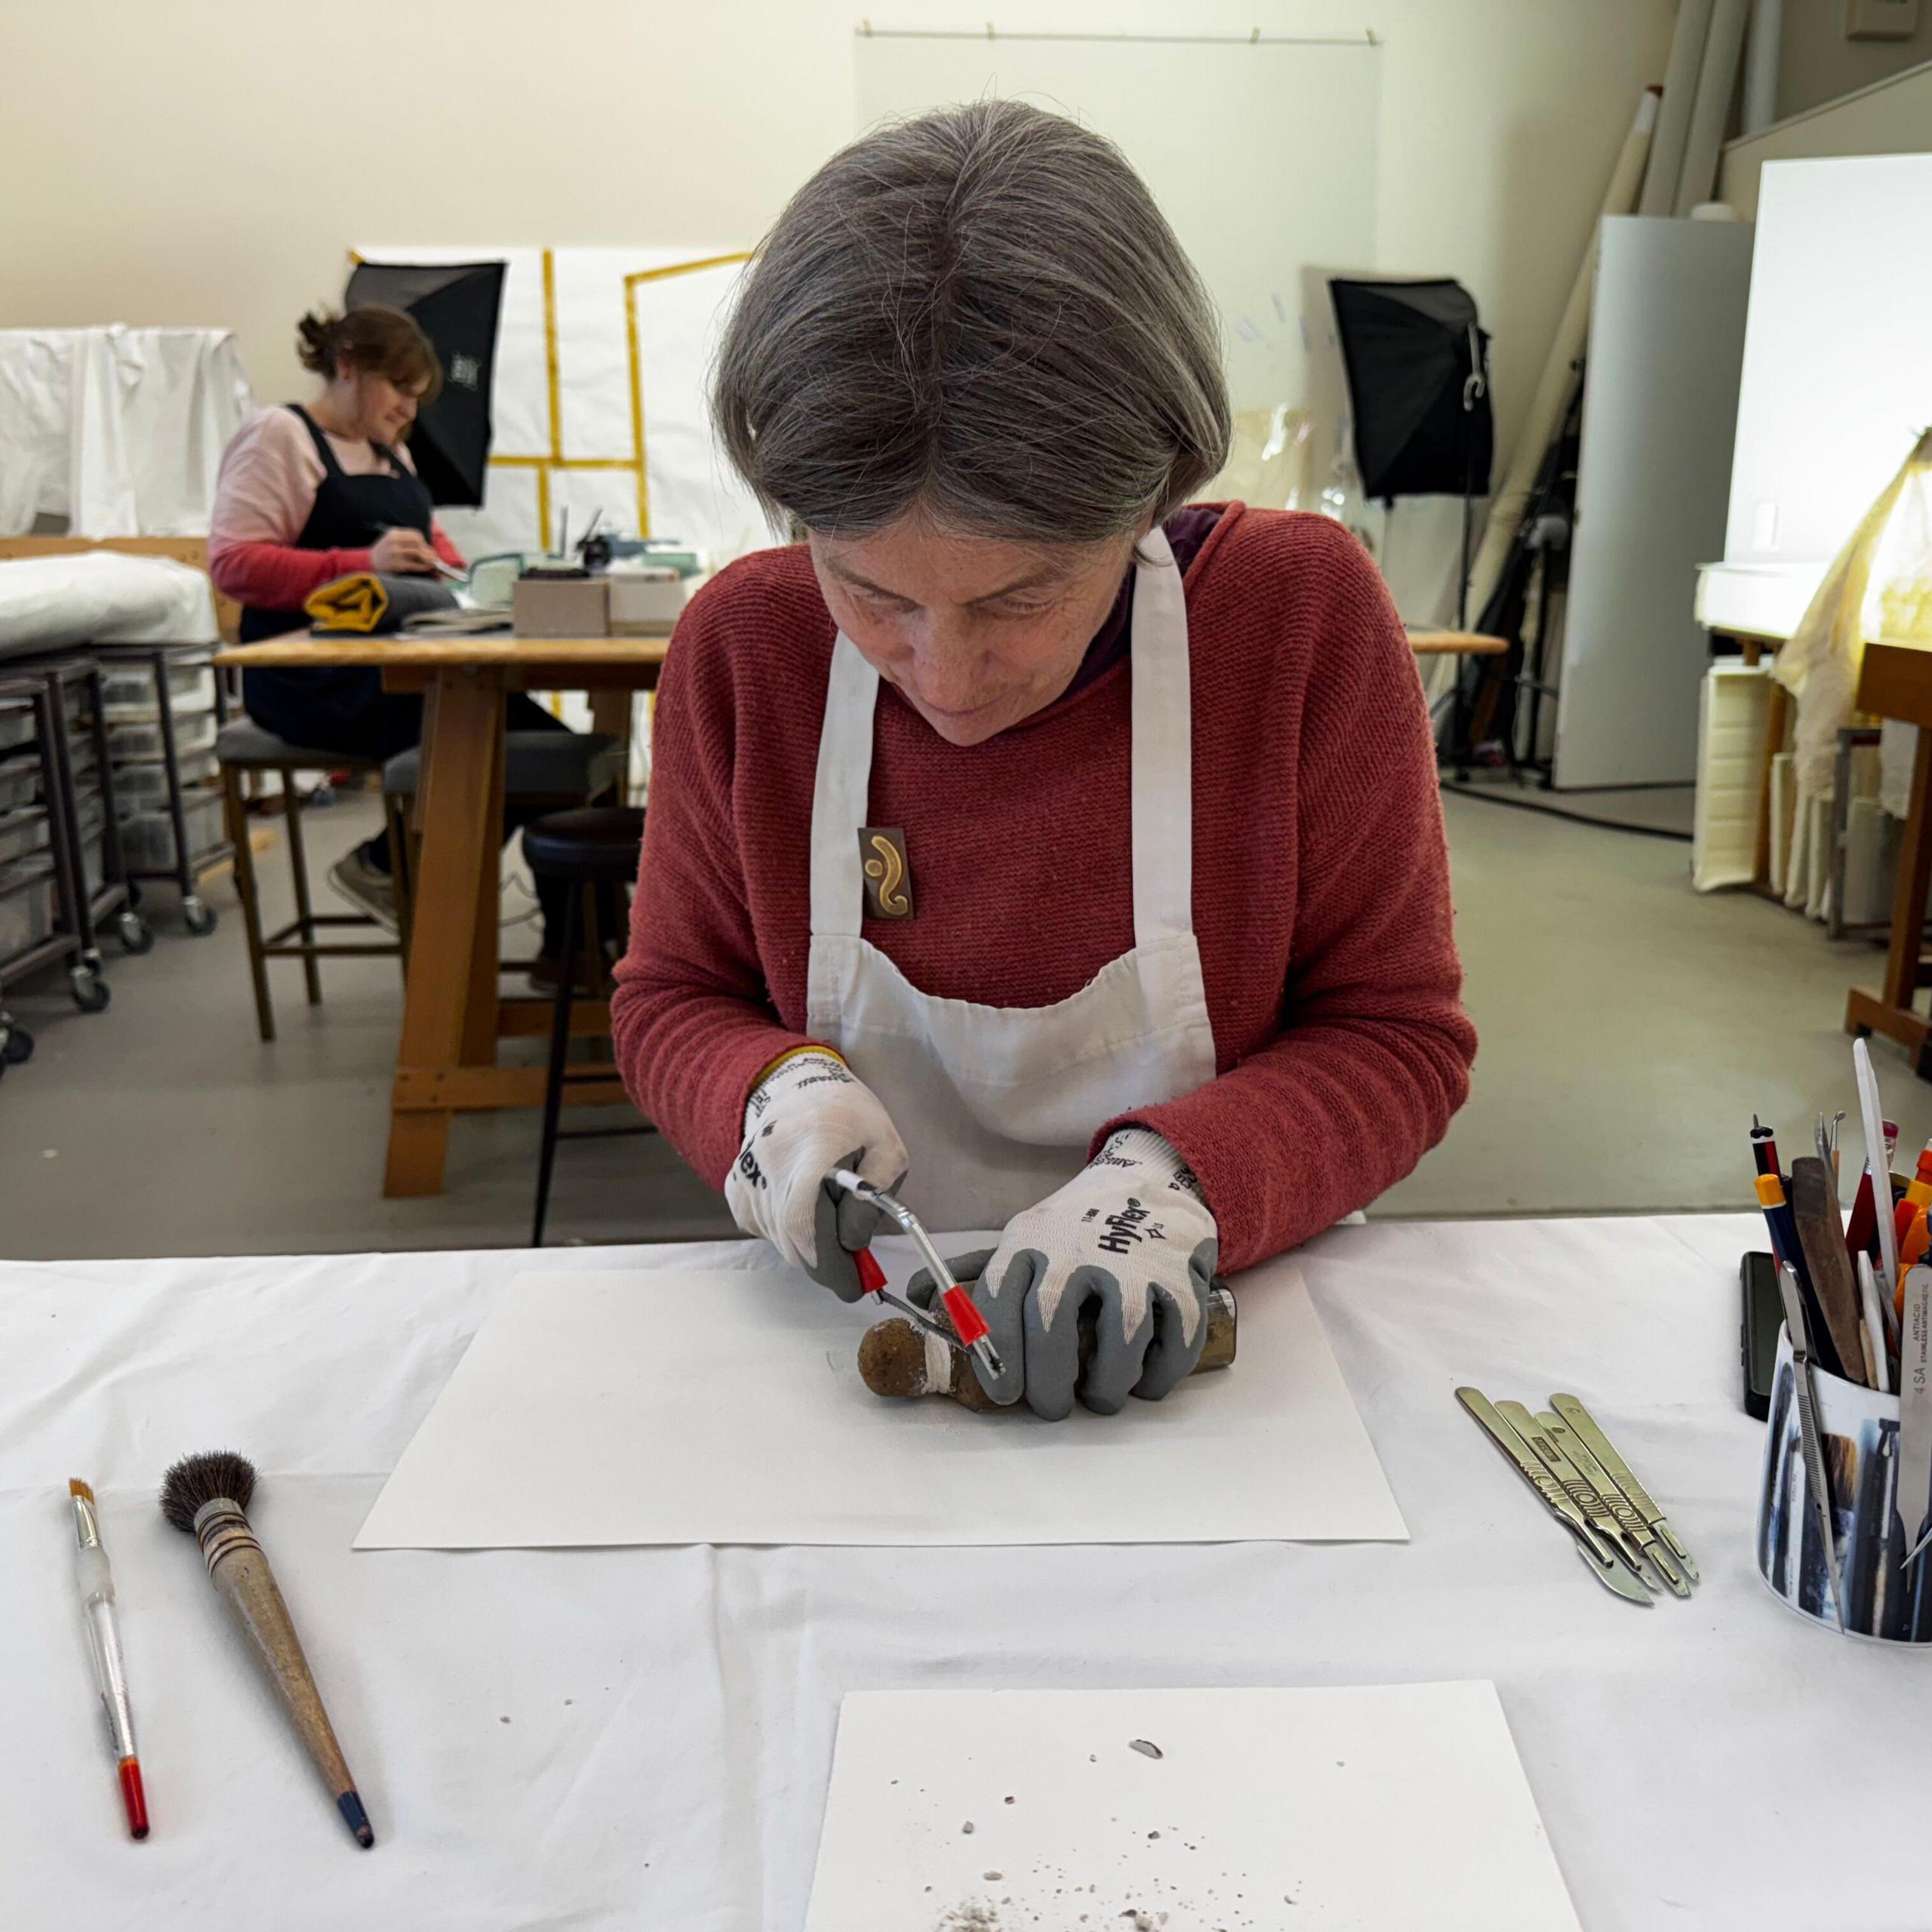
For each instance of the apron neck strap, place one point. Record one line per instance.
(326, 451)
(1163, 748)
(330, 466)
(1163, 797)
(840, 795)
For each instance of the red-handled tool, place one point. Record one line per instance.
(871, 1279)
(969, 1331)
(968, 1324)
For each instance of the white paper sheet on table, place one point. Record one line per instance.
(725, 1407)
(1379, 1809)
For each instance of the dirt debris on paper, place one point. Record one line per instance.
(971, 1917)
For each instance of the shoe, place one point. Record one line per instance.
(366, 889)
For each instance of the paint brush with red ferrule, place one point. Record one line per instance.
(110, 1674)
(206, 1496)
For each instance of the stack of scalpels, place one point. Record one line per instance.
(1620, 1533)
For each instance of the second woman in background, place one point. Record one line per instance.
(311, 492)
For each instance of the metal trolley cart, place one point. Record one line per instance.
(163, 707)
(60, 860)
(84, 822)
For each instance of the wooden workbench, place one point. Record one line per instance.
(1895, 681)
(453, 1014)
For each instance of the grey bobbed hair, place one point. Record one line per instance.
(980, 315)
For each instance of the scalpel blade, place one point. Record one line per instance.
(1637, 1533)
(1615, 1575)
(1579, 1490)
(1584, 1424)
(1610, 1571)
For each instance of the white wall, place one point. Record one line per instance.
(1817, 63)
(1191, 118)
(211, 161)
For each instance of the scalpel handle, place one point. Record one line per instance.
(1532, 1471)
(1575, 1485)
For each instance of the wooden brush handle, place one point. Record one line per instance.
(1814, 1209)
(892, 1356)
(241, 1576)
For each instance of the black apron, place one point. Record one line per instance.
(313, 707)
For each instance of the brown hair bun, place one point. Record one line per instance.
(374, 339)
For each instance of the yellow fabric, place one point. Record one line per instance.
(354, 603)
(792, 1052)
(1880, 583)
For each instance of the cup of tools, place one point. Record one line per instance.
(1859, 1435)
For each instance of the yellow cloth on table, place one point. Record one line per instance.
(1879, 584)
(358, 603)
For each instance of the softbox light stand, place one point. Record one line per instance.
(456, 306)
(1417, 364)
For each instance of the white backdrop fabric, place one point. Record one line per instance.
(693, 496)
(119, 430)
(642, 1737)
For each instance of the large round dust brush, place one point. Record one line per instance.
(206, 1496)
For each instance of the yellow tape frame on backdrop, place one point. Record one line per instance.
(554, 459)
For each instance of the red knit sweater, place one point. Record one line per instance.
(1321, 878)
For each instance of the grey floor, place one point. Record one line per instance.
(1629, 1028)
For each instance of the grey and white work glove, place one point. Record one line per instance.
(1127, 1249)
(808, 1114)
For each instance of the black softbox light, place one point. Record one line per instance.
(456, 306)
(1418, 387)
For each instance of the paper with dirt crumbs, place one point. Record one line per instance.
(1380, 1809)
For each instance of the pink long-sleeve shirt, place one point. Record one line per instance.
(270, 472)
(1322, 903)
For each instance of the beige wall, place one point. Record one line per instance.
(211, 161)
(1893, 117)
(1817, 63)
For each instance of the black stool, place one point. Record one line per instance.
(547, 771)
(595, 847)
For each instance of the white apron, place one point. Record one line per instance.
(998, 1105)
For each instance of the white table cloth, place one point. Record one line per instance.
(641, 1737)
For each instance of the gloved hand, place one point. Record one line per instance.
(809, 1114)
(1127, 1245)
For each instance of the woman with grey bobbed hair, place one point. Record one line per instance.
(1028, 839)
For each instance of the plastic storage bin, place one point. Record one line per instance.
(193, 735)
(22, 831)
(128, 690)
(20, 780)
(27, 914)
(147, 838)
(143, 785)
(17, 723)
(93, 854)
